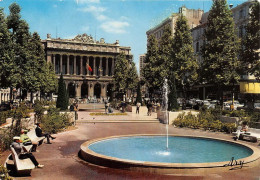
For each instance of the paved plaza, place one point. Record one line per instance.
(62, 162)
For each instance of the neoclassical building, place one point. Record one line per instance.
(75, 58)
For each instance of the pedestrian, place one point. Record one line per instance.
(76, 111)
(106, 106)
(138, 105)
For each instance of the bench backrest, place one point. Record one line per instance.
(20, 164)
(32, 134)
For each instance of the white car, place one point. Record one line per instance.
(228, 104)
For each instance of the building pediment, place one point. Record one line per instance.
(84, 38)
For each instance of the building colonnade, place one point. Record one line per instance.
(78, 64)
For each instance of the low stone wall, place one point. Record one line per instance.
(161, 115)
(227, 119)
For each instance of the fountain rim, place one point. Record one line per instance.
(86, 151)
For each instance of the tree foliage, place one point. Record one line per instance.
(62, 99)
(6, 52)
(150, 71)
(172, 96)
(139, 93)
(120, 75)
(165, 52)
(220, 48)
(132, 76)
(184, 63)
(251, 43)
(23, 63)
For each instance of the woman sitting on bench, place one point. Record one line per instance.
(22, 152)
(27, 141)
(39, 133)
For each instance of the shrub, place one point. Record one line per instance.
(229, 127)
(3, 116)
(39, 111)
(62, 99)
(4, 173)
(204, 124)
(216, 125)
(236, 113)
(54, 122)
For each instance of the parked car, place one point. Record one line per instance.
(237, 105)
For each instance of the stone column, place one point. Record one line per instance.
(107, 66)
(94, 67)
(78, 89)
(104, 90)
(100, 65)
(74, 65)
(113, 66)
(60, 63)
(91, 89)
(49, 58)
(87, 66)
(68, 64)
(54, 62)
(81, 65)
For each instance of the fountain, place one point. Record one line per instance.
(165, 90)
(144, 152)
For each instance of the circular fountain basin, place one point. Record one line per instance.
(150, 152)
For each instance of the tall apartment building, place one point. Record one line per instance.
(144, 89)
(193, 16)
(240, 13)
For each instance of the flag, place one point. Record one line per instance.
(89, 68)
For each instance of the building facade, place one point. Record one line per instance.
(248, 83)
(87, 65)
(4, 95)
(193, 16)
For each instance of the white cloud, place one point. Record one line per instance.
(87, 1)
(113, 26)
(93, 9)
(96, 11)
(55, 6)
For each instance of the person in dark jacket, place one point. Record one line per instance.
(39, 133)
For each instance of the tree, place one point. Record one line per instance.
(6, 53)
(220, 48)
(20, 36)
(120, 75)
(50, 84)
(139, 93)
(62, 99)
(172, 96)
(132, 77)
(150, 69)
(183, 64)
(250, 43)
(165, 55)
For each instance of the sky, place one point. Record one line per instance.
(123, 20)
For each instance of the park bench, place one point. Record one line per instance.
(32, 135)
(23, 166)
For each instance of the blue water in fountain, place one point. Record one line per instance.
(181, 149)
